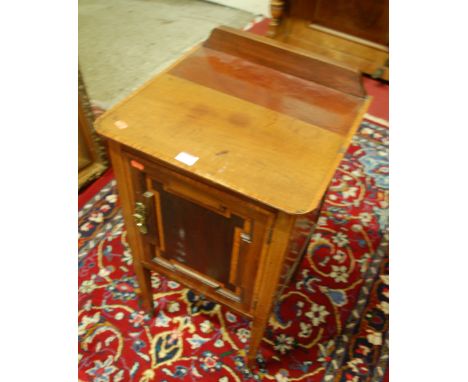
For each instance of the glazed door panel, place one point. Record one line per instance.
(188, 234)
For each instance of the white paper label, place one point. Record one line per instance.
(120, 124)
(186, 158)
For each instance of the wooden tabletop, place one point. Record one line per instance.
(264, 120)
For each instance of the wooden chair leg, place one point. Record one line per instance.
(276, 9)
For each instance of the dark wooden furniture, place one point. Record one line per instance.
(92, 160)
(353, 32)
(222, 162)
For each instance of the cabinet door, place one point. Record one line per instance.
(198, 231)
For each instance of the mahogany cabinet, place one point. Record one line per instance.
(222, 162)
(354, 32)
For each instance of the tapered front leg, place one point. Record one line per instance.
(144, 282)
(269, 272)
(127, 201)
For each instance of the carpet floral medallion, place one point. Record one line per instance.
(330, 324)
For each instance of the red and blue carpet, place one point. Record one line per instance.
(331, 324)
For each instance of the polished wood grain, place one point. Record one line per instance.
(287, 59)
(234, 224)
(271, 88)
(257, 152)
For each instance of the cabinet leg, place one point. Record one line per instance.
(259, 325)
(270, 269)
(126, 196)
(144, 282)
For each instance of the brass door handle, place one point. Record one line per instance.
(140, 217)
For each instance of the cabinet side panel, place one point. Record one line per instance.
(300, 236)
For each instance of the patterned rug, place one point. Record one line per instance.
(331, 323)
